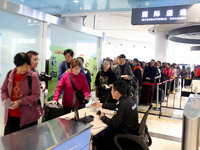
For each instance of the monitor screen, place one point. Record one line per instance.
(76, 115)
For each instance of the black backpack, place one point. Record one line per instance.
(29, 83)
(133, 87)
(63, 66)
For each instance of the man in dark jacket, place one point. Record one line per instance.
(122, 70)
(125, 119)
(150, 72)
(64, 66)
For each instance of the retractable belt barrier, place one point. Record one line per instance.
(167, 86)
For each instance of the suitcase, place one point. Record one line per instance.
(187, 81)
(147, 94)
(52, 111)
(161, 95)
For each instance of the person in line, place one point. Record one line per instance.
(34, 62)
(122, 70)
(87, 72)
(137, 71)
(64, 67)
(65, 83)
(124, 121)
(150, 72)
(23, 111)
(168, 71)
(188, 68)
(103, 81)
(115, 61)
(183, 74)
(175, 75)
(197, 72)
(158, 73)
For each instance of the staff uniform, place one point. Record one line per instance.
(125, 120)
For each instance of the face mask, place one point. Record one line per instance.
(133, 64)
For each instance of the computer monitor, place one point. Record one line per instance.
(85, 119)
(76, 115)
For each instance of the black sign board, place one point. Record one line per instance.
(159, 15)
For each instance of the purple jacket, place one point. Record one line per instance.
(80, 82)
(29, 109)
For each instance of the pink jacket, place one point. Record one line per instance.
(29, 109)
(80, 82)
(168, 72)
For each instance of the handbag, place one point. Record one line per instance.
(78, 93)
(52, 111)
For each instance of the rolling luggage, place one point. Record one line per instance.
(52, 111)
(147, 93)
(187, 82)
(161, 95)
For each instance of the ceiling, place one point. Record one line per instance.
(118, 25)
(82, 6)
(113, 17)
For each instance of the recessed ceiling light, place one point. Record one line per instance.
(76, 1)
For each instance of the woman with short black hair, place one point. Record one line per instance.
(19, 97)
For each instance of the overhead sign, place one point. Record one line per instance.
(159, 15)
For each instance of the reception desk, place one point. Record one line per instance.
(56, 134)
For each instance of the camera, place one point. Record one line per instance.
(44, 77)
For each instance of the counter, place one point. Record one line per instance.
(54, 134)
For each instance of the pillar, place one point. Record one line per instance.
(161, 44)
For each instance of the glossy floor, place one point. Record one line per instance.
(166, 132)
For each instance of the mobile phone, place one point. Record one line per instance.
(8, 103)
(107, 87)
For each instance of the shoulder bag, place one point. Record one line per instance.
(78, 93)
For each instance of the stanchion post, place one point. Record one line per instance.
(167, 92)
(174, 91)
(157, 96)
(165, 89)
(180, 97)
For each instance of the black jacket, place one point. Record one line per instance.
(138, 75)
(103, 78)
(125, 119)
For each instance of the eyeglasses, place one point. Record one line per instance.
(76, 69)
(36, 59)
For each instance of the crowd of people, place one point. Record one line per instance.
(115, 83)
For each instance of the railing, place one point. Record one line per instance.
(166, 86)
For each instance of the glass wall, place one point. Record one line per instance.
(17, 34)
(84, 45)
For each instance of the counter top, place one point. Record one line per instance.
(43, 136)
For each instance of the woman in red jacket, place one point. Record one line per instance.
(65, 83)
(20, 100)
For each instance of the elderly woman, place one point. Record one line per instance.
(19, 98)
(80, 82)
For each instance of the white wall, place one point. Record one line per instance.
(112, 47)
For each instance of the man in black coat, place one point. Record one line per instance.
(150, 72)
(125, 119)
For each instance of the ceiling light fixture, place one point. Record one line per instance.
(76, 1)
